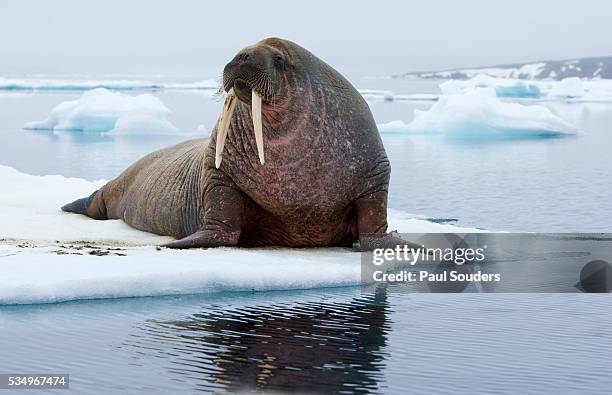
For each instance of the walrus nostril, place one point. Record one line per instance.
(243, 56)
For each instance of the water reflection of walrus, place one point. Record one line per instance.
(300, 348)
(323, 180)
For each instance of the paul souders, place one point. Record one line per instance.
(444, 276)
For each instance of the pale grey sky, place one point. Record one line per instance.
(188, 37)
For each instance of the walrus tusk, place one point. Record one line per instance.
(257, 125)
(223, 126)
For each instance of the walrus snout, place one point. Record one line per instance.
(243, 90)
(241, 70)
(250, 77)
(253, 69)
(243, 84)
(245, 78)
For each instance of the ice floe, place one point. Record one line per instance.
(101, 110)
(29, 210)
(568, 88)
(481, 114)
(37, 84)
(51, 274)
(48, 256)
(504, 87)
(374, 96)
(133, 124)
(397, 126)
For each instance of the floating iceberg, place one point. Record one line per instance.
(374, 95)
(79, 85)
(48, 256)
(504, 87)
(480, 114)
(209, 84)
(518, 89)
(568, 89)
(101, 110)
(417, 97)
(134, 124)
(397, 126)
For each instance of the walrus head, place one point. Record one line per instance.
(258, 68)
(257, 76)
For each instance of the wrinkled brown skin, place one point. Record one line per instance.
(324, 182)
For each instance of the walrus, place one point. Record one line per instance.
(294, 160)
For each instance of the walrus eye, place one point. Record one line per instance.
(278, 60)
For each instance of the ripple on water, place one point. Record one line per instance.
(301, 347)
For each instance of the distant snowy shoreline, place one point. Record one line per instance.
(591, 68)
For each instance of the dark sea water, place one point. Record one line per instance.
(348, 340)
(325, 341)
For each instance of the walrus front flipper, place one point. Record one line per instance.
(83, 206)
(224, 212)
(206, 239)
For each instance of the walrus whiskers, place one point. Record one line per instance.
(223, 127)
(257, 125)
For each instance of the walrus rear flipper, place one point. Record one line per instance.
(81, 206)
